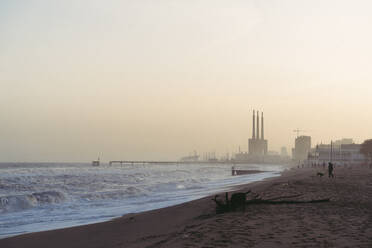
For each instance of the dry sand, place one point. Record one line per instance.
(345, 221)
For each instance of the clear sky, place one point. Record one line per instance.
(158, 79)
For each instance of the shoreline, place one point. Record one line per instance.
(195, 223)
(219, 185)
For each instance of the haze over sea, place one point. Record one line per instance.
(43, 196)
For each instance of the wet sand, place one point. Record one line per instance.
(345, 221)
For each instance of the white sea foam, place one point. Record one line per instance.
(13, 203)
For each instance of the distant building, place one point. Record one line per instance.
(350, 154)
(283, 151)
(340, 142)
(342, 154)
(301, 149)
(242, 156)
(273, 153)
(257, 145)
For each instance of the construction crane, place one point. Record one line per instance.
(297, 131)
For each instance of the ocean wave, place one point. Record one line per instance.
(21, 202)
(115, 195)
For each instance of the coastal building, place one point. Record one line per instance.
(257, 152)
(257, 145)
(301, 149)
(341, 152)
(340, 142)
(283, 151)
(242, 156)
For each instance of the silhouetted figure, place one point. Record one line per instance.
(323, 165)
(330, 170)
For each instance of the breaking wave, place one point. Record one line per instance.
(124, 193)
(21, 202)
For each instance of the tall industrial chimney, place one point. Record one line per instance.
(262, 126)
(253, 129)
(258, 125)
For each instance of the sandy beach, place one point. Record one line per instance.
(344, 221)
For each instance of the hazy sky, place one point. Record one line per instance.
(158, 79)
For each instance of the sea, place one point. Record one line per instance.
(44, 196)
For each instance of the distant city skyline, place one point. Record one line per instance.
(159, 79)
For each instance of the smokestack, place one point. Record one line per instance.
(253, 128)
(258, 125)
(262, 126)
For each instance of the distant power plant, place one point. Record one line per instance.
(257, 152)
(341, 152)
(257, 145)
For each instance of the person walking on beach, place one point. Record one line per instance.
(330, 170)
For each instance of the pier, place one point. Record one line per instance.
(134, 162)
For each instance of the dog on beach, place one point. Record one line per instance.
(320, 174)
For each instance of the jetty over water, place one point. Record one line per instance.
(133, 162)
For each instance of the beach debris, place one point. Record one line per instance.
(239, 201)
(221, 207)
